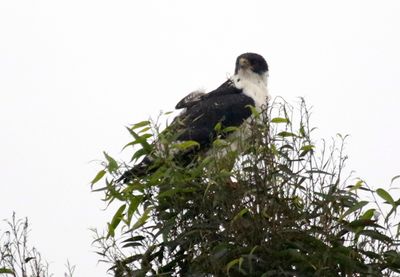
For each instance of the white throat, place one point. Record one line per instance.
(253, 85)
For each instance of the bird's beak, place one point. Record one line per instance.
(244, 63)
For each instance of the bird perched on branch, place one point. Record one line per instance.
(228, 105)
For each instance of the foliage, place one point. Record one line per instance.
(277, 205)
(17, 258)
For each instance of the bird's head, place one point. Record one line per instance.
(251, 62)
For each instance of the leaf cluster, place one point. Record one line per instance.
(276, 204)
(17, 257)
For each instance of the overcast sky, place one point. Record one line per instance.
(74, 73)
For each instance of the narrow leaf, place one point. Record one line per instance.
(135, 238)
(187, 144)
(174, 191)
(140, 124)
(142, 140)
(113, 192)
(112, 164)
(99, 175)
(302, 131)
(141, 152)
(231, 263)
(280, 120)
(218, 127)
(286, 134)
(6, 271)
(363, 223)
(230, 129)
(376, 235)
(354, 208)
(28, 259)
(143, 219)
(220, 143)
(357, 185)
(368, 214)
(116, 220)
(307, 147)
(385, 196)
(254, 111)
(134, 204)
(240, 214)
(132, 244)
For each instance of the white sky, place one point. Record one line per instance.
(74, 73)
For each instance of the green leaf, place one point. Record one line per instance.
(133, 205)
(280, 120)
(140, 124)
(376, 235)
(141, 152)
(307, 147)
(116, 220)
(134, 238)
(142, 137)
(363, 223)
(99, 175)
(142, 140)
(286, 134)
(240, 214)
(385, 196)
(354, 208)
(254, 111)
(174, 191)
(143, 219)
(113, 192)
(230, 129)
(368, 214)
(398, 230)
(220, 143)
(132, 244)
(187, 144)
(357, 185)
(286, 146)
(218, 127)
(232, 263)
(145, 130)
(112, 164)
(6, 271)
(393, 258)
(302, 131)
(372, 255)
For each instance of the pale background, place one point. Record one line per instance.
(74, 73)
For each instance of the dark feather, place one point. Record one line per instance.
(227, 105)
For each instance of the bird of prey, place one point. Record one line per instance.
(228, 105)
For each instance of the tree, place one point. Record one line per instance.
(278, 205)
(17, 257)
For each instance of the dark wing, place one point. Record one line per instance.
(226, 104)
(190, 100)
(196, 96)
(197, 122)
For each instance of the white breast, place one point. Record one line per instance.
(253, 85)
